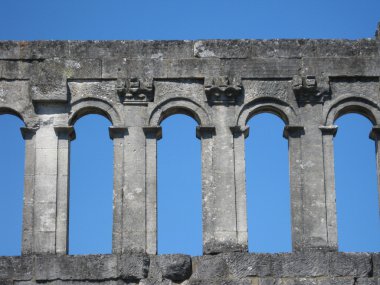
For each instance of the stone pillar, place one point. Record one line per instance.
(221, 218)
(65, 135)
(152, 134)
(239, 136)
(30, 157)
(117, 134)
(375, 135)
(311, 92)
(45, 190)
(328, 134)
(293, 135)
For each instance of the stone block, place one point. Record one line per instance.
(367, 281)
(376, 264)
(350, 264)
(223, 48)
(133, 266)
(209, 267)
(176, 267)
(302, 264)
(241, 265)
(75, 267)
(16, 267)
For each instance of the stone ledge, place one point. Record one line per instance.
(179, 49)
(226, 268)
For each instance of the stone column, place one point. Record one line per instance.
(375, 135)
(311, 92)
(65, 135)
(117, 134)
(30, 157)
(221, 218)
(152, 134)
(293, 135)
(328, 134)
(45, 190)
(239, 136)
(205, 134)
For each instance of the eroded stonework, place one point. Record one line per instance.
(221, 84)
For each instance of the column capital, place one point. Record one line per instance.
(293, 131)
(329, 130)
(375, 133)
(205, 132)
(28, 132)
(240, 130)
(65, 132)
(117, 132)
(153, 132)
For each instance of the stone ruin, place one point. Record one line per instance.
(221, 84)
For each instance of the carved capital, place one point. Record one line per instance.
(135, 91)
(293, 131)
(203, 132)
(117, 132)
(237, 131)
(28, 132)
(310, 89)
(329, 130)
(153, 132)
(375, 133)
(222, 90)
(65, 132)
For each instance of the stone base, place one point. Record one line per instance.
(227, 268)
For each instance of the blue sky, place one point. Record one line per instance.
(179, 151)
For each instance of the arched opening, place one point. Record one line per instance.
(179, 197)
(12, 149)
(91, 187)
(356, 185)
(268, 191)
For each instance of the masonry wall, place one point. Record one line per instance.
(221, 84)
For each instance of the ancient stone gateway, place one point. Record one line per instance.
(221, 84)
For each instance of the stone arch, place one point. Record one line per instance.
(10, 111)
(179, 106)
(267, 105)
(99, 107)
(352, 104)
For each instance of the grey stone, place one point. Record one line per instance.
(376, 264)
(350, 264)
(176, 267)
(19, 268)
(90, 267)
(241, 265)
(303, 264)
(133, 266)
(209, 267)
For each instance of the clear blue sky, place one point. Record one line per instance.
(179, 150)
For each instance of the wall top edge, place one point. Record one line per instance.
(181, 49)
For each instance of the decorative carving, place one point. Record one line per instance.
(329, 130)
(222, 90)
(135, 91)
(310, 90)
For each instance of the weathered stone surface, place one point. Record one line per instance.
(209, 267)
(16, 268)
(350, 264)
(91, 267)
(176, 267)
(133, 267)
(376, 264)
(307, 264)
(241, 265)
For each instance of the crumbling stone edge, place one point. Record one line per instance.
(226, 268)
